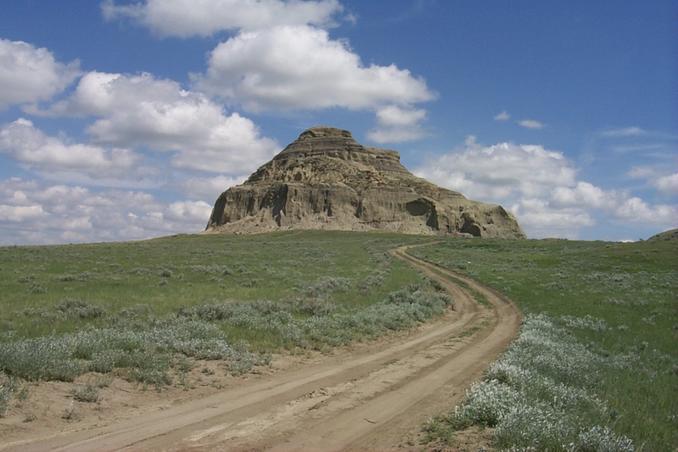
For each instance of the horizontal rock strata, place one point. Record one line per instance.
(326, 180)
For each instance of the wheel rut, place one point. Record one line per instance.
(374, 399)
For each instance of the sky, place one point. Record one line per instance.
(123, 120)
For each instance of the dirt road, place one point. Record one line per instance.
(376, 398)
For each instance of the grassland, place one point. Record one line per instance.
(595, 365)
(148, 311)
(596, 361)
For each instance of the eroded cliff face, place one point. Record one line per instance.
(326, 180)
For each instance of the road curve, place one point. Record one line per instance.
(373, 399)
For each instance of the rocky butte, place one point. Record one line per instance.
(326, 180)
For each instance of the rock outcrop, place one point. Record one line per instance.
(326, 180)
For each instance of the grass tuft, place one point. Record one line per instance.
(88, 393)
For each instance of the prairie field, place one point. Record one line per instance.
(152, 311)
(595, 363)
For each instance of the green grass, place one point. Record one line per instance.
(163, 275)
(147, 310)
(65, 310)
(618, 301)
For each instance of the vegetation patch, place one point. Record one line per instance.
(309, 324)
(7, 388)
(133, 310)
(88, 393)
(540, 394)
(145, 351)
(145, 354)
(595, 365)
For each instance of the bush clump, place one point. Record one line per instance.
(315, 323)
(88, 393)
(326, 285)
(143, 351)
(67, 309)
(7, 388)
(78, 309)
(144, 348)
(539, 395)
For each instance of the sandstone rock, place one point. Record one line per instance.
(326, 180)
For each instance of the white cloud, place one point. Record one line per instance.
(20, 213)
(191, 211)
(668, 184)
(657, 177)
(22, 141)
(636, 210)
(531, 124)
(540, 187)
(500, 171)
(209, 188)
(281, 59)
(503, 116)
(541, 220)
(642, 172)
(616, 203)
(583, 194)
(300, 67)
(398, 124)
(184, 18)
(29, 74)
(140, 110)
(394, 116)
(624, 132)
(77, 214)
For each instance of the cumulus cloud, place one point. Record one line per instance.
(636, 210)
(540, 187)
(29, 74)
(300, 67)
(394, 116)
(398, 124)
(209, 188)
(32, 212)
(17, 214)
(668, 184)
(616, 203)
(656, 176)
(141, 110)
(531, 124)
(503, 116)
(541, 220)
(583, 194)
(500, 171)
(189, 211)
(28, 145)
(282, 59)
(184, 18)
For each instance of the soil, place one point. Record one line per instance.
(364, 397)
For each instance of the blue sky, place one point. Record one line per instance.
(126, 119)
